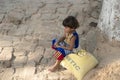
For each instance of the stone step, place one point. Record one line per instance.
(6, 74)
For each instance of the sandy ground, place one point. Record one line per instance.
(108, 54)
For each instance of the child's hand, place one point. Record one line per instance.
(56, 45)
(63, 47)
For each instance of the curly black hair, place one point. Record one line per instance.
(71, 22)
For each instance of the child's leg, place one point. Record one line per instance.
(59, 58)
(55, 66)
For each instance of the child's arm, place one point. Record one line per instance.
(72, 43)
(60, 40)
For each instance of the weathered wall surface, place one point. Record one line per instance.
(109, 21)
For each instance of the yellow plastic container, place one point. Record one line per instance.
(79, 63)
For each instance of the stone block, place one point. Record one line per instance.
(15, 16)
(7, 74)
(19, 61)
(62, 10)
(5, 43)
(37, 55)
(24, 46)
(20, 53)
(6, 54)
(91, 41)
(1, 49)
(31, 63)
(33, 8)
(7, 28)
(1, 17)
(25, 73)
(48, 53)
(21, 31)
(5, 64)
(48, 17)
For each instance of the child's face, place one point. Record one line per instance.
(68, 29)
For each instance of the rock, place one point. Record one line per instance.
(1, 49)
(48, 17)
(25, 73)
(62, 10)
(31, 63)
(48, 53)
(6, 57)
(7, 28)
(6, 74)
(6, 64)
(91, 41)
(1, 17)
(48, 57)
(33, 8)
(21, 31)
(19, 61)
(20, 53)
(36, 56)
(15, 16)
(6, 54)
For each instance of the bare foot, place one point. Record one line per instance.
(52, 69)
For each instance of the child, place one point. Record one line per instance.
(67, 42)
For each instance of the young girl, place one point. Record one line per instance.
(67, 42)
